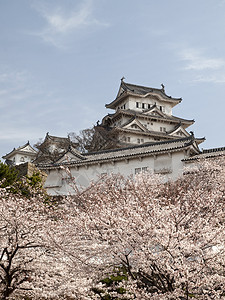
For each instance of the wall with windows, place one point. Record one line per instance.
(60, 183)
(18, 158)
(140, 104)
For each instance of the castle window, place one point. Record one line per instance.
(162, 108)
(163, 129)
(128, 139)
(137, 104)
(149, 106)
(142, 140)
(143, 105)
(22, 159)
(137, 170)
(138, 140)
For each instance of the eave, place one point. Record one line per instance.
(135, 151)
(128, 89)
(206, 154)
(132, 113)
(118, 100)
(148, 133)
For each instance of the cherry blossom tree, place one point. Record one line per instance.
(30, 265)
(168, 237)
(122, 238)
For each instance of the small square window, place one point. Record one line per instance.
(137, 170)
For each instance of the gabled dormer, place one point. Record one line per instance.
(134, 124)
(155, 111)
(179, 131)
(72, 155)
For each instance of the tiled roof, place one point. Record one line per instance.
(133, 113)
(128, 88)
(129, 152)
(143, 90)
(74, 151)
(149, 133)
(207, 153)
(21, 149)
(57, 139)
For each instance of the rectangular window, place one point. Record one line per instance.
(137, 104)
(128, 139)
(137, 170)
(149, 106)
(145, 169)
(143, 105)
(138, 140)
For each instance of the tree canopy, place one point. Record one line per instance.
(122, 238)
(8, 175)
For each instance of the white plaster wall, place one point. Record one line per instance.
(134, 138)
(131, 104)
(155, 126)
(59, 183)
(17, 158)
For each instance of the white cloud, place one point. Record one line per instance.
(60, 23)
(217, 78)
(200, 67)
(195, 60)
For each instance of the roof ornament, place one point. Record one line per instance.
(122, 78)
(163, 87)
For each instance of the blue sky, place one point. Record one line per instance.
(61, 62)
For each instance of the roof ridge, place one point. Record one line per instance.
(143, 86)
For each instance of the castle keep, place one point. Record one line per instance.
(146, 137)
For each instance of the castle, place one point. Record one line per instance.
(148, 137)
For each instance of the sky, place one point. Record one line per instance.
(61, 61)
